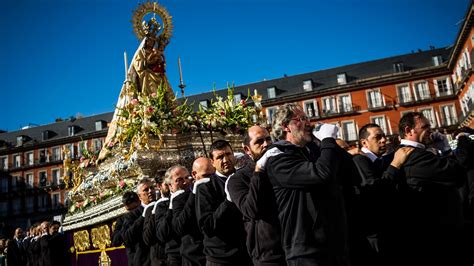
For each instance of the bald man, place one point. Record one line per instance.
(184, 222)
(253, 196)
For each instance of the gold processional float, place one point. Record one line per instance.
(150, 131)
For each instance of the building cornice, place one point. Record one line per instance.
(461, 37)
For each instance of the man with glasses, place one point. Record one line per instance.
(305, 183)
(176, 176)
(134, 224)
(219, 219)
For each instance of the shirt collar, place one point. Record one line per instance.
(412, 143)
(369, 154)
(221, 175)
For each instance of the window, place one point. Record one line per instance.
(71, 149)
(19, 140)
(56, 154)
(308, 85)
(271, 92)
(30, 158)
(437, 60)
(345, 103)
(4, 184)
(43, 178)
(310, 108)
(448, 115)
(398, 67)
(422, 90)
(14, 182)
(43, 156)
(380, 120)
(71, 130)
(341, 79)
(237, 98)
(55, 199)
(16, 160)
(30, 179)
(442, 87)
(404, 93)
(374, 98)
(270, 111)
(4, 163)
(45, 135)
(329, 105)
(43, 201)
(468, 99)
(429, 114)
(56, 176)
(97, 144)
(100, 125)
(30, 204)
(348, 130)
(16, 205)
(204, 103)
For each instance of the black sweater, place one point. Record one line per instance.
(221, 223)
(184, 224)
(310, 201)
(252, 194)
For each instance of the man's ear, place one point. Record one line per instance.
(246, 149)
(407, 130)
(363, 142)
(285, 127)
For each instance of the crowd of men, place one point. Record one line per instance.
(43, 245)
(302, 199)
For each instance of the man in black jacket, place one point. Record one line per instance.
(134, 220)
(254, 198)
(130, 201)
(157, 248)
(16, 254)
(371, 221)
(305, 181)
(430, 214)
(184, 222)
(219, 219)
(176, 176)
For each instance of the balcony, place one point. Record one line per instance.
(346, 110)
(468, 115)
(432, 97)
(381, 106)
(465, 75)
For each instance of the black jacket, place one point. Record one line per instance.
(165, 234)
(429, 217)
(157, 248)
(45, 250)
(133, 238)
(16, 255)
(58, 249)
(184, 224)
(221, 223)
(253, 195)
(307, 183)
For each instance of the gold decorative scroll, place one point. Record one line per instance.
(81, 240)
(101, 236)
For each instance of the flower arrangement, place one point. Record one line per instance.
(152, 115)
(227, 115)
(104, 194)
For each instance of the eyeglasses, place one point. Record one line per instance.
(301, 118)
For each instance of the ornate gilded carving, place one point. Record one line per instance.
(101, 236)
(81, 240)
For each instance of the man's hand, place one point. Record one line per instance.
(401, 156)
(326, 131)
(260, 165)
(150, 205)
(198, 182)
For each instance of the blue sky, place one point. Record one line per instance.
(59, 58)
